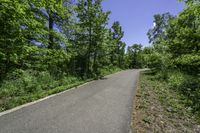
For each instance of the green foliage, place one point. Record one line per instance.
(135, 56)
(109, 69)
(26, 82)
(186, 85)
(91, 36)
(118, 47)
(161, 22)
(25, 86)
(49, 46)
(21, 84)
(176, 42)
(177, 79)
(183, 40)
(174, 55)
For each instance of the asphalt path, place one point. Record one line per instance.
(101, 106)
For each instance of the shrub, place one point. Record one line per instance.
(21, 82)
(176, 80)
(188, 85)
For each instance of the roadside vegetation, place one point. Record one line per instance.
(169, 96)
(50, 46)
(31, 86)
(160, 108)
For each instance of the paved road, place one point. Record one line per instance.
(102, 106)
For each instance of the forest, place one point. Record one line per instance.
(47, 46)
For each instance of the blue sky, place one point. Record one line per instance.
(136, 16)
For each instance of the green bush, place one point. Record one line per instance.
(184, 82)
(109, 69)
(22, 83)
(176, 80)
(69, 80)
(188, 85)
(22, 86)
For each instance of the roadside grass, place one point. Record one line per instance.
(30, 87)
(162, 109)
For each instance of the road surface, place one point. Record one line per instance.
(102, 106)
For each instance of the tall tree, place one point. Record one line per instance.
(183, 40)
(92, 22)
(118, 44)
(161, 21)
(18, 25)
(51, 14)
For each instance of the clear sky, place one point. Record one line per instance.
(136, 16)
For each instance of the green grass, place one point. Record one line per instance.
(31, 86)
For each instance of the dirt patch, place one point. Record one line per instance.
(158, 109)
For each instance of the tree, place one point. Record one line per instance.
(92, 22)
(183, 40)
(18, 24)
(56, 13)
(159, 59)
(118, 44)
(134, 56)
(161, 21)
(190, 2)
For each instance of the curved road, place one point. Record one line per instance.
(101, 106)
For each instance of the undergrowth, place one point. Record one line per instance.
(162, 108)
(21, 86)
